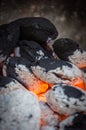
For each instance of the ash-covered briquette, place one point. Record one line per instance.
(19, 68)
(38, 29)
(12, 63)
(66, 99)
(9, 36)
(49, 119)
(56, 71)
(69, 50)
(32, 50)
(19, 108)
(65, 47)
(75, 122)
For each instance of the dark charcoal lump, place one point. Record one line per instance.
(37, 29)
(78, 123)
(72, 92)
(50, 64)
(5, 80)
(31, 50)
(9, 36)
(65, 47)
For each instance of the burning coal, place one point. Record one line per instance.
(38, 90)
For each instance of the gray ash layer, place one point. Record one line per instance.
(55, 71)
(51, 64)
(66, 99)
(16, 66)
(17, 108)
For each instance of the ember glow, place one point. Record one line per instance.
(44, 87)
(33, 75)
(82, 66)
(40, 87)
(79, 82)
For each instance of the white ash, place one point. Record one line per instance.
(66, 99)
(40, 53)
(61, 74)
(19, 68)
(25, 76)
(75, 121)
(78, 58)
(50, 118)
(19, 109)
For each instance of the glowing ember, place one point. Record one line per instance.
(82, 66)
(32, 74)
(38, 87)
(79, 83)
(42, 97)
(63, 117)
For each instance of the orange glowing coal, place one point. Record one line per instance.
(42, 87)
(79, 82)
(38, 86)
(82, 65)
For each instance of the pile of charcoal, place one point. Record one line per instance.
(33, 60)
